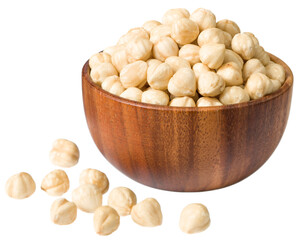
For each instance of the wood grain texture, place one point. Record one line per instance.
(186, 149)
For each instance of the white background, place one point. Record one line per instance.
(44, 45)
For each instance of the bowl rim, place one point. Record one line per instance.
(284, 88)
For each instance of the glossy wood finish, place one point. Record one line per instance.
(186, 149)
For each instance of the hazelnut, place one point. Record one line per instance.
(212, 54)
(120, 59)
(210, 84)
(64, 153)
(113, 85)
(122, 199)
(158, 76)
(176, 63)
(173, 15)
(20, 186)
(253, 37)
(212, 35)
(258, 85)
(204, 18)
(261, 55)
(133, 34)
(234, 94)
(228, 26)
(63, 212)
(208, 102)
(198, 68)
(99, 58)
(183, 83)
(95, 177)
(231, 56)
(139, 49)
(251, 66)
(150, 25)
(194, 218)
(55, 183)
(165, 48)
(106, 220)
(133, 74)
(147, 213)
(153, 96)
(112, 49)
(275, 71)
(102, 71)
(244, 45)
(182, 102)
(190, 53)
(159, 32)
(231, 73)
(184, 31)
(132, 93)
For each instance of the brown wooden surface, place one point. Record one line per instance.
(186, 149)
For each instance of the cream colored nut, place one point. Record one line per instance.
(244, 45)
(258, 85)
(276, 84)
(184, 31)
(211, 35)
(261, 55)
(275, 71)
(158, 76)
(204, 18)
(212, 54)
(102, 71)
(63, 212)
(176, 63)
(198, 68)
(64, 153)
(113, 85)
(153, 96)
(147, 213)
(194, 218)
(122, 199)
(159, 32)
(55, 183)
(133, 34)
(165, 48)
(150, 25)
(87, 197)
(182, 102)
(112, 49)
(133, 74)
(208, 102)
(210, 84)
(227, 39)
(132, 93)
(234, 94)
(139, 49)
(95, 177)
(231, 74)
(231, 56)
(20, 186)
(99, 58)
(106, 220)
(251, 66)
(190, 53)
(255, 40)
(228, 26)
(183, 83)
(120, 59)
(173, 15)
(195, 98)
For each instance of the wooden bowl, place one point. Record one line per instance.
(185, 148)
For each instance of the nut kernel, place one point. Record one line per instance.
(183, 83)
(95, 177)
(165, 48)
(55, 183)
(184, 31)
(133, 74)
(63, 212)
(204, 18)
(212, 54)
(122, 199)
(20, 186)
(106, 220)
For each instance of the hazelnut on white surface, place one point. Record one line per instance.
(106, 220)
(20, 186)
(204, 18)
(113, 85)
(182, 102)
(133, 74)
(132, 93)
(212, 54)
(55, 183)
(208, 102)
(210, 84)
(234, 94)
(153, 96)
(63, 212)
(96, 177)
(183, 83)
(165, 48)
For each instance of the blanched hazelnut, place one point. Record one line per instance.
(112, 49)
(210, 84)
(231, 56)
(208, 102)
(20, 186)
(182, 102)
(96, 177)
(261, 55)
(139, 49)
(183, 83)
(133, 74)
(63, 212)
(55, 183)
(231, 73)
(204, 18)
(176, 63)
(133, 34)
(158, 76)
(184, 31)
(253, 37)
(212, 54)
(211, 35)
(251, 66)
(276, 84)
(258, 85)
(198, 68)
(227, 39)
(194, 218)
(147, 213)
(87, 197)
(64, 153)
(113, 85)
(102, 71)
(150, 25)
(122, 199)
(99, 58)
(173, 15)
(165, 48)
(190, 53)
(244, 45)
(120, 59)
(275, 71)
(159, 32)
(132, 93)
(234, 94)
(106, 220)
(228, 26)
(153, 96)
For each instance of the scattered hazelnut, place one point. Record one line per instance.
(55, 183)
(63, 212)
(20, 186)
(95, 177)
(106, 220)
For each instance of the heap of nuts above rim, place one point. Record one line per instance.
(187, 60)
